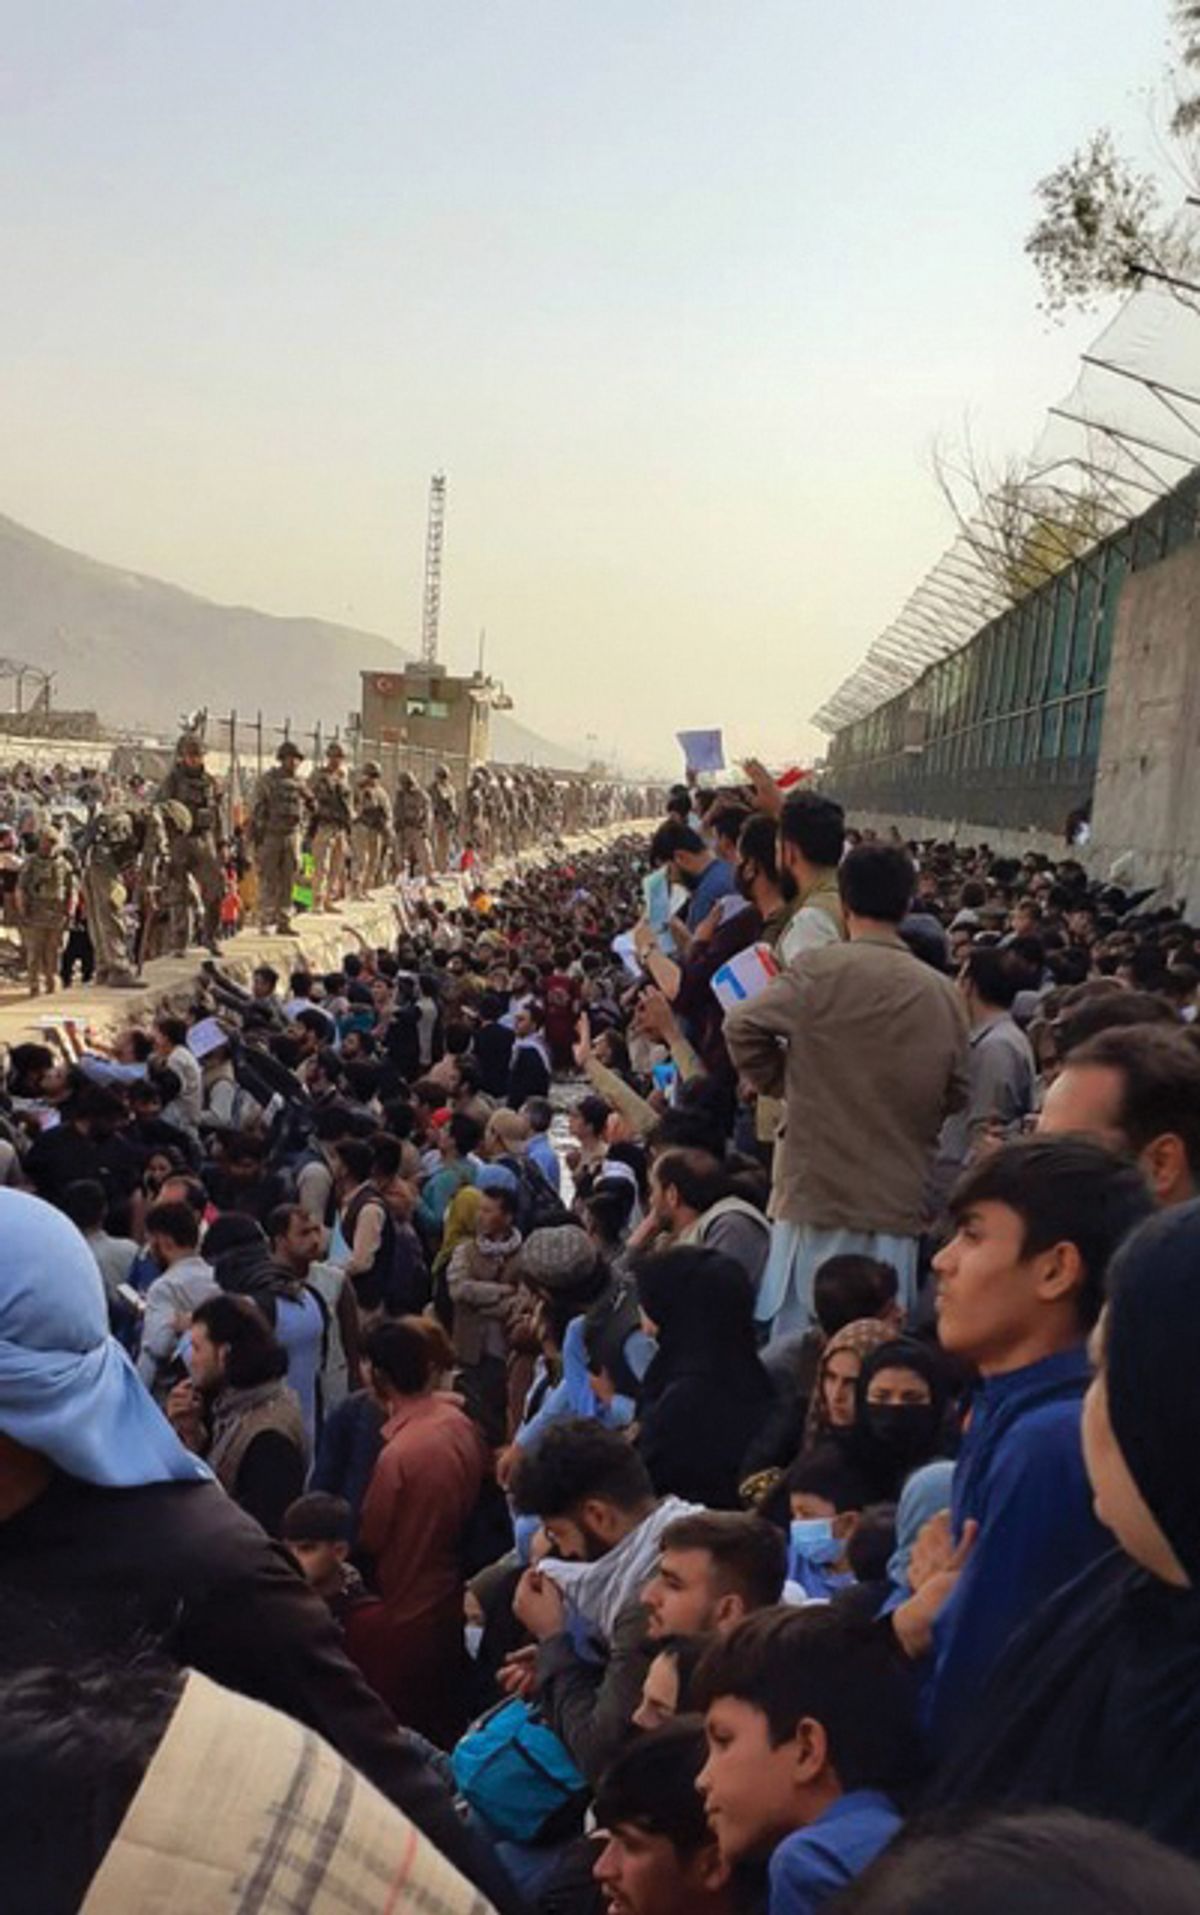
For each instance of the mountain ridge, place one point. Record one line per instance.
(141, 650)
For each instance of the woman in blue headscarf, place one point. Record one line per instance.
(114, 1538)
(68, 1392)
(926, 1493)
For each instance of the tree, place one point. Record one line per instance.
(1021, 528)
(1102, 228)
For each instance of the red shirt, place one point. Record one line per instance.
(424, 1486)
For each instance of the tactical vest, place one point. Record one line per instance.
(284, 802)
(331, 798)
(197, 789)
(46, 885)
(373, 809)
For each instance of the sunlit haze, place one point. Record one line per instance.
(678, 295)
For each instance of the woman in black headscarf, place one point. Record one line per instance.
(705, 1394)
(1096, 1704)
(900, 1420)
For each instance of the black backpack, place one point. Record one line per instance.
(539, 1206)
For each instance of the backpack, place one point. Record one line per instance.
(539, 1206)
(513, 1771)
(608, 1326)
(407, 1288)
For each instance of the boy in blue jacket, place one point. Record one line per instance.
(811, 1728)
(1019, 1288)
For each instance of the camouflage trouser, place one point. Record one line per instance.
(370, 858)
(441, 844)
(414, 851)
(194, 857)
(278, 863)
(329, 865)
(43, 949)
(103, 901)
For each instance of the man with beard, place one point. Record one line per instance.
(812, 832)
(594, 1496)
(690, 863)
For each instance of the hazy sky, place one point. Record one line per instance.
(679, 293)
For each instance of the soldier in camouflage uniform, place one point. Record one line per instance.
(479, 824)
(412, 827)
(45, 900)
(193, 854)
(372, 831)
(282, 808)
(124, 846)
(443, 801)
(329, 789)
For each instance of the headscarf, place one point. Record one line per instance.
(893, 1440)
(926, 1492)
(67, 1389)
(861, 1337)
(460, 1224)
(1153, 1354)
(703, 1305)
(243, 1807)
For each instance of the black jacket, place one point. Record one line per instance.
(88, 1572)
(492, 1045)
(527, 1077)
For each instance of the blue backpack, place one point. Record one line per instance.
(514, 1772)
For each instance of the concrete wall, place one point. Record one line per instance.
(1146, 811)
(1010, 844)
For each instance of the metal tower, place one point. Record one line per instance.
(431, 609)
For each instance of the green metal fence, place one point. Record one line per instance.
(1006, 731)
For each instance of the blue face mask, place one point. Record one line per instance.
(813, 1541)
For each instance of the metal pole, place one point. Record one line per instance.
(232, 772)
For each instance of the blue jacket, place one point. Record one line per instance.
(1020, 1476)
(814, 1864)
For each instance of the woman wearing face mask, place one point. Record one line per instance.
(900, 1421)
(1096, 1704)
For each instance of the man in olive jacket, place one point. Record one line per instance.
(868, 1047)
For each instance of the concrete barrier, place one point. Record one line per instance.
(318, 943)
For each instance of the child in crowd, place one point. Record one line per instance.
(811, 1740)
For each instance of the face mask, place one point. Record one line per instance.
(906, 1429)
(814, 1542)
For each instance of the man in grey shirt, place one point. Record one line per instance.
(1000, 1067)
(187, 1281)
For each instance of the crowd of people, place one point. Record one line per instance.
(100, 870)
(671, 1392)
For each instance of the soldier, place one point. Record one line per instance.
(412, 827)
(118, 842)
(479, 827)
(329, 789)
(282, 808)
(194, 854)
(166, 828)
(443, 800)
(372, 830)
(45, 900)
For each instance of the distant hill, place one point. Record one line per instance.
(140, 651)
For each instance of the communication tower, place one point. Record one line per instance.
(431, 608)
